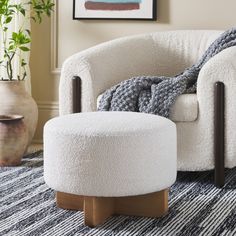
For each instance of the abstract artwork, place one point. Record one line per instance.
(115, 9)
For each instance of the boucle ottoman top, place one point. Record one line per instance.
(109, 153)
(109, 123)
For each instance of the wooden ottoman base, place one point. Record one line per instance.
(98, 209)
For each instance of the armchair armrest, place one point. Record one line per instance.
(103, 66)
(220, 68)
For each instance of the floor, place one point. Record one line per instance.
(35, 147)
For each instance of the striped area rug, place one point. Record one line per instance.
(27, 207)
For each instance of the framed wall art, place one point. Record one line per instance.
(114, 9)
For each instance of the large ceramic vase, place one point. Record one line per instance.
(15, 100)
(13, 139)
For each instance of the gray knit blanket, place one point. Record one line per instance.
(157, 94)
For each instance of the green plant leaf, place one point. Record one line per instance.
(23, 63)
(28, 31)
(34, 19)
(14, 35)
(22, 11)
(11, 47)
(25, 49)
(8, 19)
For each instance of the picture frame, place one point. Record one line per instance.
(114, 10)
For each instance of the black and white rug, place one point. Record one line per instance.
(27, 207)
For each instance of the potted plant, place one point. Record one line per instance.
(14, 45)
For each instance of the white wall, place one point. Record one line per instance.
(73, 36)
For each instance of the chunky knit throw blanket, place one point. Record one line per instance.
(156, 94)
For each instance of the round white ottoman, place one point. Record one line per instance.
(109, 154)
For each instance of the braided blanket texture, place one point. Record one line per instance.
(157, 94)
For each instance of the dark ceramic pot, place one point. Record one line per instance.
(13, 139)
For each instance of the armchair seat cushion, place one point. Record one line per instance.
(185, 109)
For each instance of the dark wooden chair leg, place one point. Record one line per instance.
(219, 141)
(76, 94)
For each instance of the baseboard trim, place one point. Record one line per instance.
(47, 105)
(56, 71)
(37, 141)
(47, 110)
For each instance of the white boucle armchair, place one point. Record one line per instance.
(205, 123)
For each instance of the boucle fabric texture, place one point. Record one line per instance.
(162, 53)
(110, 153)
(157, 94)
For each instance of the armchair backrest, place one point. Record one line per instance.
(100, 67)
(177, 50)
